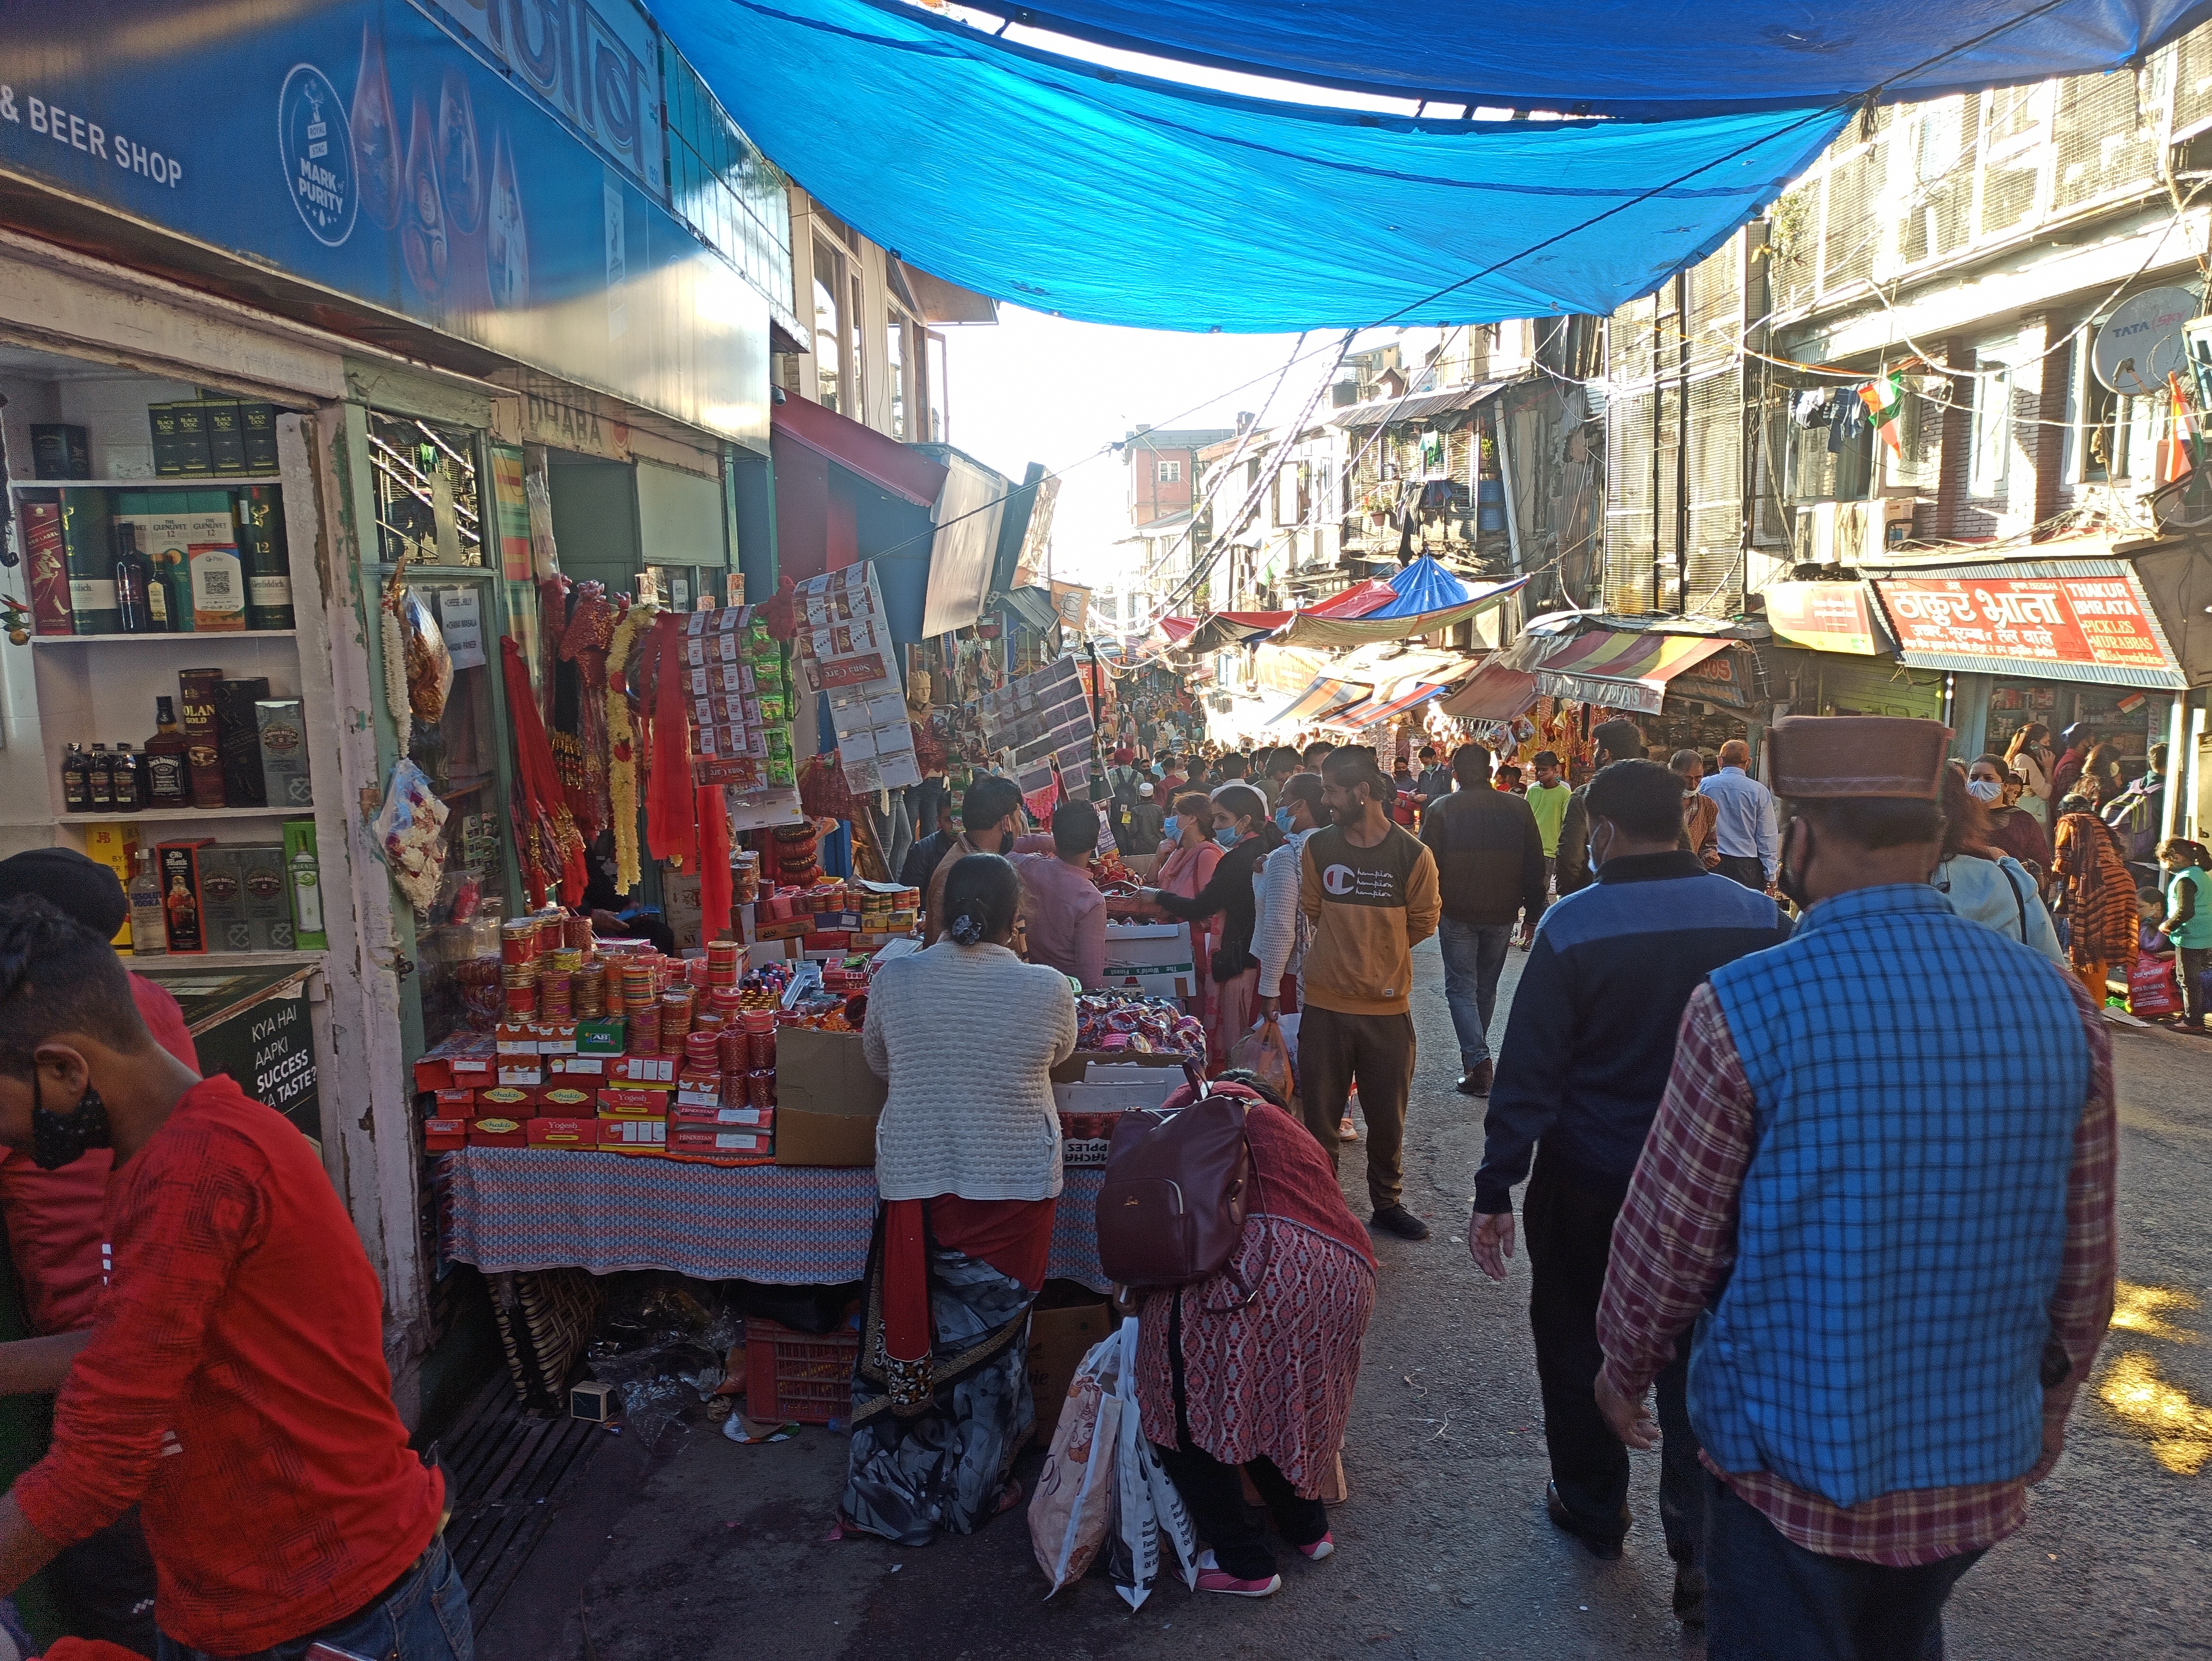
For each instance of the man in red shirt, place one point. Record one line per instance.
(234, 1385)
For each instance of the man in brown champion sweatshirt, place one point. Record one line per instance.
(1370, 887)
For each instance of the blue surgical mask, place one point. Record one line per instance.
(1173, 825)
(1227, 836)
(1983, 789)
(1283, 819)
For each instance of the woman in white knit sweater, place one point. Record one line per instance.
(967, 1171)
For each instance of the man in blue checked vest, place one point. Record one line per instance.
(1880, 1185)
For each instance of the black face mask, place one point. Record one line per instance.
(1790, 879)
(58, 1139)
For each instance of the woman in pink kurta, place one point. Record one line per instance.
(1184, 869)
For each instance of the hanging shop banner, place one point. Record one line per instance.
(359, 147)
(1828, 616)
(1723, 678)
(2071, 628)
(1073, 601)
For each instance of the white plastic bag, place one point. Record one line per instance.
(1073, 1505)
(412, 830)
(1146, 1505)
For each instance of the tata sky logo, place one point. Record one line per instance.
(315, 142)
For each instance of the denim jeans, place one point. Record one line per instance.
(424, 1618)
(1474, 957)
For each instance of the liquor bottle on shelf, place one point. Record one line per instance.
(126, 781)
(171, 594)
(167, 765)
(101, 786)
(148, 921)
(77, 780)
(133, 577)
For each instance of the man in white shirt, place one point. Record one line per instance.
(1749, 844)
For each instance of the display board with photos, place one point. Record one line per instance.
(1039, 719)
(845, 641)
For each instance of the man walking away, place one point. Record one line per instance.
(1489, 860)
(1584, 1063)
(234, 1385)
(1370, 889)
(1146, 823)
(1745, 829)
(1881, 1183)
(1616, 740)
(1547, 800)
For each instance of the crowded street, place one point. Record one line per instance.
(1444, 1550)
(925, 830)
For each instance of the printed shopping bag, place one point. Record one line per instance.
(1073, 1505)
(1146, 1503)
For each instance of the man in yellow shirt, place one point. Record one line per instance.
(1547, 800)
(1370, 887)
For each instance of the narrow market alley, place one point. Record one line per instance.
(703, 1548)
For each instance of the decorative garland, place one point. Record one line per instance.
(622, 744)
(395, 654)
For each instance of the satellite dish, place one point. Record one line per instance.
(2140, 343)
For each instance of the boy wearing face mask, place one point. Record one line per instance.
(234, 1384)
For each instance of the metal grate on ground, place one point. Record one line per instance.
(509, 1472)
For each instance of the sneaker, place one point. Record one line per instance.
(1211, 1577)
(1315, 1550)
(1396, 1219)
(1345, 1130)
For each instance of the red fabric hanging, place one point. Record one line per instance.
(713, 817)
(672, 823)
(541, 793)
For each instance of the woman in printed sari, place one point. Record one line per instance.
(968, 1169)
(2096, 896)
(1254, 1366)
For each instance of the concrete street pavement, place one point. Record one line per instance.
(709, 1549)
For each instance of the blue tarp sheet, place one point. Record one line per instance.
(1631, 57)
(1112, 198)
(1423, 585)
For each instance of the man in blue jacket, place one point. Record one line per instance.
(1587, 1052)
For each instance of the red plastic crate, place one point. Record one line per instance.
(802, 1376)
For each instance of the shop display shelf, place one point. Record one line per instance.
(192, 481)
(184, 815)
(208, 641)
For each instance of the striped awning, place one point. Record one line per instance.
(1320, 701)
(1411, 698)
(1496, 693)
(1619, 669)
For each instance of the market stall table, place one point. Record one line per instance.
(507, 1209)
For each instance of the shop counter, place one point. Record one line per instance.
(506, 1209)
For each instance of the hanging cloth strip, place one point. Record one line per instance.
(631, 629)
(584, 658)
(551, 849)
(671, 821)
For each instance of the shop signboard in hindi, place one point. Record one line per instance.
(2082, 623)
(460, 617)
(1827, 616)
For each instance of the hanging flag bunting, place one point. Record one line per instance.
(1885, 401)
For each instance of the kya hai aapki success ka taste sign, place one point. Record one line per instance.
(2100, 621)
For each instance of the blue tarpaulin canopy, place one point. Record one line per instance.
(1423, 585)
(1104, 196)
(1630, 56)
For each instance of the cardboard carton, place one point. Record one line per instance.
(1059, 1337)
(828, 1099)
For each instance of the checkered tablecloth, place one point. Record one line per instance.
(508, 1208)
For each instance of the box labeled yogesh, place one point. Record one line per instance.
(222, 900)
(440, 1136)
(603, 1035)
(178, 862)
(633, 1104)
(622, 1133)
(497, 1132)
(563, 1133)
(268, 896)
(282, 736)
(564, 1102)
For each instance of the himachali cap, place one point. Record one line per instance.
(1819, 757)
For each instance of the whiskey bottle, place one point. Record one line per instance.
(168, 768)
(134, 575)
(77, 780)
(126, 781)
(101, 790)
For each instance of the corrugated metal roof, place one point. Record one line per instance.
(1415, 406)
